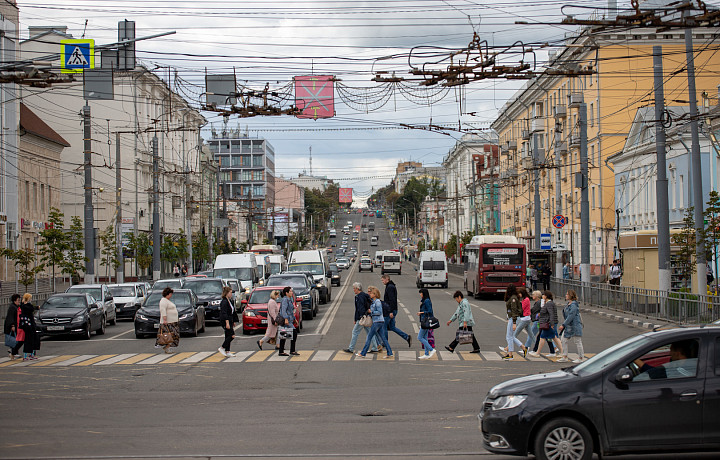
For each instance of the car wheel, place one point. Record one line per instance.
(103, 324)
(327, 297)
(445, 285)
(86, 332)
(563, 438)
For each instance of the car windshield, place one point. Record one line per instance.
(179, 299)
(260, 296)
(342, 261)
(233, 285)
(95, 292)
(316, 268)
(292, 281)
(609, 356)
(162, 284)
(204, 287)
(122, 291)
(244, 274)
(275, 268)
(65, 302)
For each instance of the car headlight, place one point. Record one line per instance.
(247, 289)
(81, 318)
(187, 315)
(261, 282)
(215, 302)
(319, 285)
(303, 297)
(508, 402)
(142, 317)
(249, 313)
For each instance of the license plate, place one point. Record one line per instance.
(263, 321)
(56, 328)
(501, 290)
(156, 326)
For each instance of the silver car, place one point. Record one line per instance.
(102, 294)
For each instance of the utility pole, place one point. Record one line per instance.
(250, 218)
(188, 208)
(475, 178)
(156, 210)
(558, 204)
(457, 222)
(584, 198)
(120, 271)
(536, 182)
(661, 187)
(89, 216)
(696, 172)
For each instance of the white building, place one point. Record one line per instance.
(312, 182)
(143, 107)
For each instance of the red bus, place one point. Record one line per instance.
(493, 262)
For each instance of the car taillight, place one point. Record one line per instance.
(481, 278)
(445, 275)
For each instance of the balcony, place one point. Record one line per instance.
(538, 125)
(561, 148)
(560, 111)
(576, 99)
(526, 162)
(525, 134)
(512, 145)
(574, 140)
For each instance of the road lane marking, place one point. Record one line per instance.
(486, 311)
(177, 357)
(94, 360)
(29, 362)
(77, 359)
(155, 359)
(54, 360)
(277, 357)
(491, 356)
(120, 334)
(239, 357)
(323, 355)
(304, 355)
(136, 358)
(343, 356)
(260, 356)
(329, 317)
(467, 356)
(116, 359)
(448, 356)
(197, 357)
(214, 358)
(407, 355)
(2, 360)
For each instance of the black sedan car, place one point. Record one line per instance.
(656, 392)
(335, 272)
(304, 290)
(71, 313)
(209, 294)
(191, 315)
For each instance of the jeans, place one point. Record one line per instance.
(510, 337)
(390, 326)
(532, 330)
(578, 343)
(377, 330)
(422, 337)
(520, 325)
(355, 332)
(229, 333)
(475, 344)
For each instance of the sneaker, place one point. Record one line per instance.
(525, 352)
(578, 361)
(563, 360)
(231, 354)
(33, 358)
(359, 355)
(424, 357)
(348, 350)
(389, 357)
(534, 354)
(503, 349)
(432, 353)
(409, 341)
(551, 355)
(222, 351)
(449, 349)
(507, 357)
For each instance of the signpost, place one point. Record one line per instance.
(559, 221)
(545, 241)
(77, 55)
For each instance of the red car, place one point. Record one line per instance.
(255, 316)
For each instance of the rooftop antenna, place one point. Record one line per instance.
(311, 160)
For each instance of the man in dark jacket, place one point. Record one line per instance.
(545, 274)
(362, 307)
(390, 309)
(10, 326)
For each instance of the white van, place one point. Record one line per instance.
(278, 264)
(240, 266)
(391, 263)
(313, 261)
(378, 258)
(263, 263)
(373, 241)
(432, 269)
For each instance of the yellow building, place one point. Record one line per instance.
(622, 81)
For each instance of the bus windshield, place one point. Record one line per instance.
(502, 256)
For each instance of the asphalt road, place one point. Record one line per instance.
(323, 404)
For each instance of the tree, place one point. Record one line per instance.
(108, 250)
(24, 261)
(711, 231)
(685, 241)
(201, 247)
(467, 237)
(168, 250)
(141, 248)
(74, 262)
(451, 246)
(233, 245)
(242, 246)
(181, 245)
(421, 245)
(53, 242)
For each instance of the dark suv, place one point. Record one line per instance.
(656, 392)
(305, 290)
(209, 294)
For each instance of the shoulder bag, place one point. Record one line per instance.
(164, 336)
(278, 320)
(365, 321)
(463, 336)
(429, 322)
(544, 326)
(10, 340)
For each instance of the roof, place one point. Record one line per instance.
(31, 123)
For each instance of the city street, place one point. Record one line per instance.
(116, 396)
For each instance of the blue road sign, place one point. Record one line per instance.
(545, 241)
(77, 55)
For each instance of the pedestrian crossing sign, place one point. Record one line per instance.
(77, 55)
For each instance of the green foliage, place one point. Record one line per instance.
(451, 246)
(168, 250)
(243, 246)
(380, 198)
(74, 262)
(421, 245)
(467, 237)
(433, 245)
(53, 241)
(685, 241)
(220, 247)
(24, 261)
(108, 250)
(322, 204)
(142, 249)
(233, 245)
(711, 232)
(297, 242)
(201, 247)
(182, 246)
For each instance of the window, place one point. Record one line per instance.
(592, 114)
(224, 146)
(257, 175)
(27, 193)
(674, 360)
(224, 161)
(42, 197)
(50, 195)
(592, 155)
(593, 197)
(258, 191)
(681, 192)
(257, 160)
(35, 196)
(246, 160)
(236, 160)
(246, 175)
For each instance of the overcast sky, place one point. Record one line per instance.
(272, 41)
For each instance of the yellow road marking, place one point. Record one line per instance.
(304, 356)
(178, 357)
(216, 358)
(136, 358)
(342, 356)
(260, 356)
(94, 360)
(53, 360)
(467, 356)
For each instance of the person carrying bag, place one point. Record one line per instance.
(426, 323)
(464, 317)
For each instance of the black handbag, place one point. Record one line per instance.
(429, 322)
(278, 320)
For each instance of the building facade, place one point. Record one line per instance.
(312, 182)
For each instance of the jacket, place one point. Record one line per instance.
(10, 319)
(548, 313)
(514, 308)
(426, 309)
(535, 310)
(273, 308)
(287, 311)
(27, 309)
(525, 306)
(227, 312)
(391, 303)
(463, 313)
(573, 322)
(362, 305)
(376, 311)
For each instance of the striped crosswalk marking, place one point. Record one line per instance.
(467, 356)
(323, 355)
(259, 356)
(47, 362)
(94, 360)
(177, 357)
(21, 363)
(216, 358)
(77, 359)
(115, 359)
(491, 356)
(304, 356)
(239, 357)
(342, 356)
(277, 357)
(447, 356)
(2, 360)
(407, 355)
(197, 357)
(136, 358)
(155, 359)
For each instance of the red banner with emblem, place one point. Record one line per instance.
(315, 96)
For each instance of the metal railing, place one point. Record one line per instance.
(674, 307)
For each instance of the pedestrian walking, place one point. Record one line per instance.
(10, 328)
(176, 270)
(287, 313)
(533, 277)
(425, 313)
(378, 325)
(567, 271)
(572, 328)
(513, 304)
(168, 321)
(228, 320)
(26, 322)
(615, 273)
(272, 308)
(184, 269)
(534, 330)
(463, 315)
(390, 309)
(545, 274)
(362, 308)
(548, 319)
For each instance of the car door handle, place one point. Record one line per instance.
(688, 394)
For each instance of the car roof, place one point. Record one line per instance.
(196, 280)
(86, 286)
(68, 294)
(181, 291)
(123, 284)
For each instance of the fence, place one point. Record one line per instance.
(674, 307)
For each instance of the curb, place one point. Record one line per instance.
(642, 324)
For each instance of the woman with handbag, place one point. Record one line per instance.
(547, 322)
(26, 322)
(287, 322)
(378, 327)
(169, 332)
(572, 328)
(425, 314)
(464, 316)
(228, 319)
(272, 328)
(513, 305)
(533, 339)
(10, 329)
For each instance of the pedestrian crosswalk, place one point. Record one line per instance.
(185, 358)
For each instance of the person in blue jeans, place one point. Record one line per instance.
(426, 311)
(378, 327)
(362, 307)
(390, 309)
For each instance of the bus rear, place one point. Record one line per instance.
(491, 267)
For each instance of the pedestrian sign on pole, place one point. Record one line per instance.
(559, 221)
(77, 55)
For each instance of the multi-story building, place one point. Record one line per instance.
(464, 209)
(427, 173)
(290, 201)
(143, 107)
(312, 182)
(247, 178)
(543, 115)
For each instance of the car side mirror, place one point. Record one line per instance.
(624, 375)
(415, 268)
